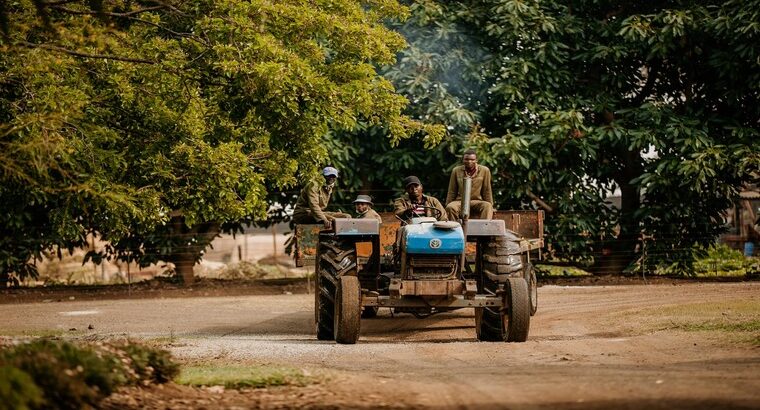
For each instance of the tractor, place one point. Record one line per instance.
(429, 266)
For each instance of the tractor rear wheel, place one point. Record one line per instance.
(335, 258)
(529, 273)
(348, 305)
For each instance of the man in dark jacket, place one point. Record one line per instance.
(414, 203)
(314, 197)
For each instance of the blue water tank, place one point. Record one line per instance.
(427, 239)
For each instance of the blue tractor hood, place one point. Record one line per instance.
(426, 239)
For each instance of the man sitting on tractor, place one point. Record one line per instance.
(314, 197)
(481, 202)
(363, 204)
(415, 204)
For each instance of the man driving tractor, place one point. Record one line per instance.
(415, 204)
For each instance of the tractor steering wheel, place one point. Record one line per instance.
(437, 214)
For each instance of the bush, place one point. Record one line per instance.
(17, 390)
(721, 260)
(74, 377)
(149, 364)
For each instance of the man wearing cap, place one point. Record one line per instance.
(313, 200)
(414, 203)
(363, 204)
(481, 196)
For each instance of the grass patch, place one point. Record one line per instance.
(238, 376)
(738, 320)
(543, 270)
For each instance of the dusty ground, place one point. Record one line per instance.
(589, 347)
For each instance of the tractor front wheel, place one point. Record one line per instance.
(348, 308)
(509, 323)
(517, 316)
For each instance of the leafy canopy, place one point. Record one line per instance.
(116, 116)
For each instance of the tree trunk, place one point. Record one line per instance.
(184, 268)
(618, 253)
(188, 251)
(4, 279)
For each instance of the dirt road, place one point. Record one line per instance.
(589, 347)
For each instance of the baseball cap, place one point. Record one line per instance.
(411, 180)
(327, 171)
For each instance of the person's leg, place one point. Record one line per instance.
(453, 209)
(481, 210)
(333, 215)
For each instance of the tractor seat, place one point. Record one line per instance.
(446, 225)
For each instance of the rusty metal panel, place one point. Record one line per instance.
(345, 226)
(305, 245)
(485, 227)
(364, 249)
(432, 287)
(528, 224)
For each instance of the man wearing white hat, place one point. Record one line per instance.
(314, 197)
(363, 204)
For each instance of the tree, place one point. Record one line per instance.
(156, 125)
(578, 101)
(658, 102)
(442, 73)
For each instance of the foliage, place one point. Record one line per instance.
(156, 125)
(720, 260)
(17, 390)
(656, 103)
(441, 74)
(71, 376)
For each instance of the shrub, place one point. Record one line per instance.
(73, 377)
(17, 390)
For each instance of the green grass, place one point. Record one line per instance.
(238, 376)
(43, 333)
(737, 320)
(554, 270)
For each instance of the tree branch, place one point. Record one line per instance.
(84, 55)
(539, 201)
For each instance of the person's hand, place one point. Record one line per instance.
(328, 224)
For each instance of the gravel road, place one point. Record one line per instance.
(588, 348)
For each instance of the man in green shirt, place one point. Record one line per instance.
(314, 197)
(415, 204)
(363, 204)
(481, 199)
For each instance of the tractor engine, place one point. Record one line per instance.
(431, 250)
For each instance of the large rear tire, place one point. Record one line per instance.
(348, 307)
(335, 258)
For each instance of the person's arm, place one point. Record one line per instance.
(487, 193)
(400, 208)
(453, 187)
(437, 205)
(313, 199)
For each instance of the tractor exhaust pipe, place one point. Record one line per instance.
(464, 216)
